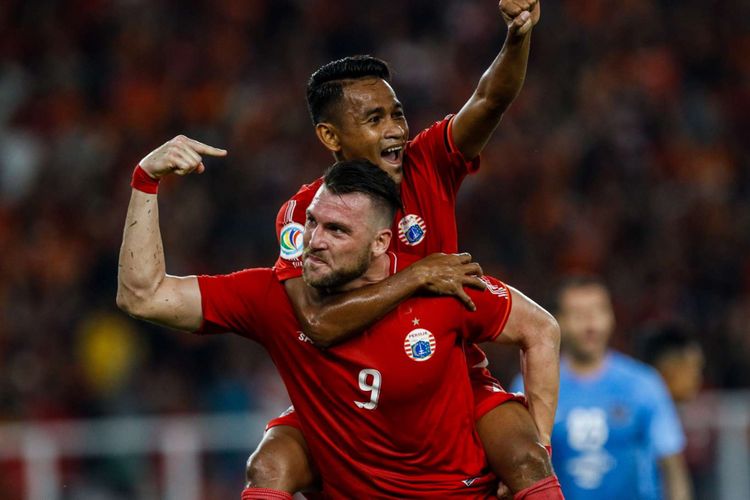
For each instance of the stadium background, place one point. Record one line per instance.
(626, 154)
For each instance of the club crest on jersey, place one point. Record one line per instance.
(412, 229)
(419, 344)
(290, 240)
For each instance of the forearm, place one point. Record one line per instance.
(339, 317)
(676, 479)
(141, 266)
(540, 365)
(503, 80)
(501, 83)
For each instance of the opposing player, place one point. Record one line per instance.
(356, 114)
(372, 435)
(677, 355)
(617, 433)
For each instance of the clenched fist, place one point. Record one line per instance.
(520, 15)
(181, 155)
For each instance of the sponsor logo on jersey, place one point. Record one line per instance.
(304, 338)
(419, 344)
(494, 289)
(290, 240)
(412, 229)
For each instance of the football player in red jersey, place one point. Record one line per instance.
(357, 114)
(372, 436)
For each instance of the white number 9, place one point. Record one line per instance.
(373, 387)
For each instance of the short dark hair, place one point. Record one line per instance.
(326, 86)
(657, 341)
(362, 176)
(574, 281)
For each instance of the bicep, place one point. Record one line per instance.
(527, 322)
(177, 304)
(473, 126)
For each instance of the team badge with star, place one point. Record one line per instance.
(419, 344)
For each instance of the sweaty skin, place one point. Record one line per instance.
(370, 123)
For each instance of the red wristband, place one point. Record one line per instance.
(144, 182)
(549, 450)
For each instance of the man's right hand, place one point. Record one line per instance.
(181, 155)
(448, 274)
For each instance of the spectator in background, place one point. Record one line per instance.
(677, 355)
(617, 434)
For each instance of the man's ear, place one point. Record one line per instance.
(329, 136)
(382, 242)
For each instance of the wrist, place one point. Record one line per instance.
(413, 278)
(143, 181)
(516, 41)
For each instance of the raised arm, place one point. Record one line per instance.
(537, 333)
(144, 290)
(500, 84)
(338, 317)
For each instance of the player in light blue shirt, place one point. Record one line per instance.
(617, 434)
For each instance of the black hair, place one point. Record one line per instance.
(658, 341)
(326, 86)
(362, 176)
(574, 281)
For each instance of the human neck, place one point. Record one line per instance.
(584, 365)
(380, 269)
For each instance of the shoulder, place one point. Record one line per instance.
(307, 191)
(245, 282)
(622, 363)
(400, 260)
(434, 135)
(645, 378)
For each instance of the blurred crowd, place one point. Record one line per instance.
(627, 155)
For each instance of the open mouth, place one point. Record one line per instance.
(393, 155)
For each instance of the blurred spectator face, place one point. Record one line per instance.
(682, 371)
(586, 320)
(371, 125)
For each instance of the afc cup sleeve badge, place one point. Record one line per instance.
(412, 229)
(419, 344)
(290, 240)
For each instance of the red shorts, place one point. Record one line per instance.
(488, 393)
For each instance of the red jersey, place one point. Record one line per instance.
(389, 413)
(433, 171)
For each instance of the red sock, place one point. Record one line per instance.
(265, 494)
(546, 489)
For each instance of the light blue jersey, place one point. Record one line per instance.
(611, 429)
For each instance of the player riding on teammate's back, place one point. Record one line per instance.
(357, 115)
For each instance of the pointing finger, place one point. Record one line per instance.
(205, 149)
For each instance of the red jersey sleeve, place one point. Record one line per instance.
(233, 302)
(434, 148)
(290, 228)
(493, 308)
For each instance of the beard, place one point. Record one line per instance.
(339, 277)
